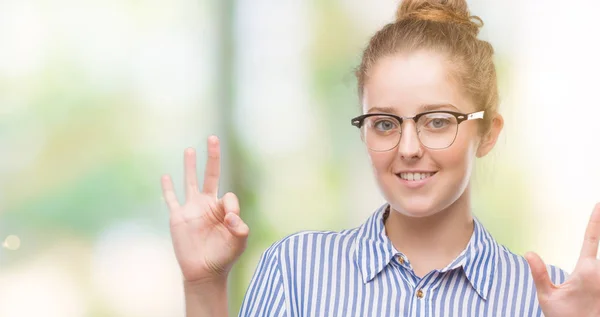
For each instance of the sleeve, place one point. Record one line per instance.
(266, 294)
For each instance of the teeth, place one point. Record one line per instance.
(415, 176)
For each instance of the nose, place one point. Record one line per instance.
(409, 146)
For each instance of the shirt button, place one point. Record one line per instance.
(401, 259)
(420, 294)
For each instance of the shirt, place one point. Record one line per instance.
(358, 272)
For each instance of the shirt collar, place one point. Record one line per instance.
(374, 251)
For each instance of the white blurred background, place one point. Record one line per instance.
(99, 98)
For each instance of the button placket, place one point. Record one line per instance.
(419, 301)
(422, 292)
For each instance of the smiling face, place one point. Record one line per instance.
(415, 180)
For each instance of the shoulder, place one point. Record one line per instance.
(512, 288)
(515, 265)
(308, 245)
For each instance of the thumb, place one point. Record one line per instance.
(539, 272)
(236, 226)
(233, 222)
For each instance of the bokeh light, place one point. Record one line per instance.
(12, 243)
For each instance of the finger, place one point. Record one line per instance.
(592, 234)
(169, 193)
(231, 203)
(237, 227)
(191, 177)
(539, 272)
(213, 166)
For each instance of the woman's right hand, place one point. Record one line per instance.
(207, 232)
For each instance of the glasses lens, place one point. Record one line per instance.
(381, 133)
(437, 130)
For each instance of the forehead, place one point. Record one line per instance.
(408, 82)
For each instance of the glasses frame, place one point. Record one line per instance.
(460, 117)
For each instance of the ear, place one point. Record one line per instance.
(489, 140)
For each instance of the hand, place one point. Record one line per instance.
(208, 234)
(579, 295)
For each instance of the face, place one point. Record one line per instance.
(405, 85)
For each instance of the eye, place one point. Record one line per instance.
(384, 125)
(438, 123)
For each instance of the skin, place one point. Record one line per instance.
(431, 224)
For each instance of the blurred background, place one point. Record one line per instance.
(99, 98)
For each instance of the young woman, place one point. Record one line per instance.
(428, 90)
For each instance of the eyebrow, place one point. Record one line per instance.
(423, 108)
(438, 107)
(382, 109)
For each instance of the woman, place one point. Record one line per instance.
(429, 96)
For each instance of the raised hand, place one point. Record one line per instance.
(207, 232)
(579, 295)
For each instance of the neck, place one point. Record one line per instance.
(432, 242)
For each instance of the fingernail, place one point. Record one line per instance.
(233, 221)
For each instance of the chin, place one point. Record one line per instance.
(415, 208)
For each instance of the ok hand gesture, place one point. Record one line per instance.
(207, 232)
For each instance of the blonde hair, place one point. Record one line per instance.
(444, 26)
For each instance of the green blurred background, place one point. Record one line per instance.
(99, 98)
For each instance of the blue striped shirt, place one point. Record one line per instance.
(358, 272)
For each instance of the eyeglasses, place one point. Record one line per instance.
(435, 129)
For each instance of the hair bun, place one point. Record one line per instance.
(444, 11)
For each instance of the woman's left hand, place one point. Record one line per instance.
(579, 295)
